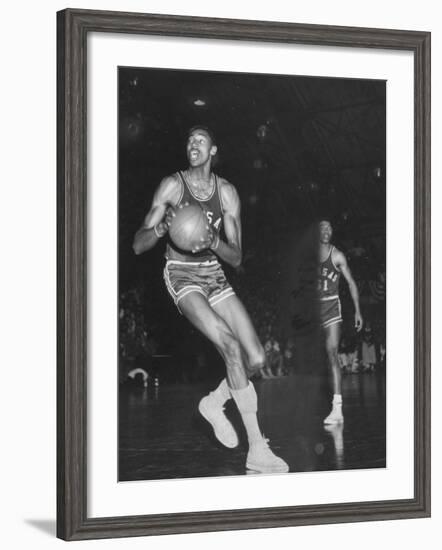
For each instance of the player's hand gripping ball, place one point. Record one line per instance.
(210, 241)
(189, 227)
(163, 227)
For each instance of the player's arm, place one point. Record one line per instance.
(156, 223)
(341, 263)
(230, 251)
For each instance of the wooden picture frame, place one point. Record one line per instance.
(73, 27)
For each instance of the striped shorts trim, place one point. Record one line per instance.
(330, 312)
(206, 278)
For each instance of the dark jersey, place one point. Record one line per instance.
(328, 278)
(214, 212)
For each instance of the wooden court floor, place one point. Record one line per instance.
(162, 436)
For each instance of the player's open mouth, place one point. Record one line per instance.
(194, 154)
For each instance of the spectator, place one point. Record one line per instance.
(368, 350)
(289, 366)
(274, 362)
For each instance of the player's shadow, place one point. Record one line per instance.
(48, 526)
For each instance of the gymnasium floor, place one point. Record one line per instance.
(162, 436)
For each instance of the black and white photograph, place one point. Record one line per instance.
(217, 226)
(251, 274)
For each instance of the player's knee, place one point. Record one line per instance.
(230, 348)
(257, 360)
(332, 351)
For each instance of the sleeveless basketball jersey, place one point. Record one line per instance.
(214, 212)
(328, 278)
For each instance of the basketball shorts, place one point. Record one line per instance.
(207, 278)
(330, 311)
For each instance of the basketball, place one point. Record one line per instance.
(188, 227)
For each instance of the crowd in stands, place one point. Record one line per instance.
(365, 352)
(135, 340)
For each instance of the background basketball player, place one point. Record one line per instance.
(332, 263)
(200, 290)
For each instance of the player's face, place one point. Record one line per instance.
(325, 232)
(199, 148)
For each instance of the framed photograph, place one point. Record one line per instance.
(243, 232)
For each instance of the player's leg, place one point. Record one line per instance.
(332, 335)
(259, 458)
(196, 309)
(235, 315)
(187, 285)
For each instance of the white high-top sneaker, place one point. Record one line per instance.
(213, 412)
(260, 458)
(336, 416)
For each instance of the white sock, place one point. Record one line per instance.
(247, 403)
(337, 399)
(222, 393)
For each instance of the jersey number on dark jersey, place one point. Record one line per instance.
(209, 215)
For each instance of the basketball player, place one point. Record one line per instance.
(332, 263)
(199, 288)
